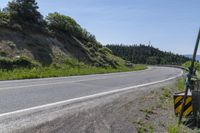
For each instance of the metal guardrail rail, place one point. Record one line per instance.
(175, 66)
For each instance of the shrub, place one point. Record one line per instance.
(4, 18)
(3, 53)
(58, 22)
(196, 65)
(6, 63)
(22, 62)
(105, 50)
(25, 12)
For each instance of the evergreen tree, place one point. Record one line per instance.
(58, 22)
(147, 55)
(4, 18)
(25, 12)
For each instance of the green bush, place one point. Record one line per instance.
(24, 12)
(105, 50)
(6, 63)
(4, 18)
(58, 22)
(10, 64)
(196, 65)
(3, 54)
(23, 62)
(71, 62)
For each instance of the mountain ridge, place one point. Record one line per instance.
(190, 56)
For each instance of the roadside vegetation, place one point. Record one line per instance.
(196, 65)
(57, 34)
(34, 46)
(24, 69)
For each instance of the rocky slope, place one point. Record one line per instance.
(46, 49)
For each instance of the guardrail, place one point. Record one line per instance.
(174, 66)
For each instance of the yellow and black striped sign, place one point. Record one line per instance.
(178, 101)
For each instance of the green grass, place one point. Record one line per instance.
(166, 94)
(181, 84)
(59, 71)
(177, 129)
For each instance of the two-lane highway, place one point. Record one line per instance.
(23, 94)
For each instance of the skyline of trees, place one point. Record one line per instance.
(142, 54)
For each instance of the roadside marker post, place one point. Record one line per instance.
(178, 101)
(189, 82)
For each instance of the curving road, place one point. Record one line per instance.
(26, 94)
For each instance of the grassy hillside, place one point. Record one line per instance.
(24, 32)
(36, 55)
(46, 50)
(147, 55)
(32, 46)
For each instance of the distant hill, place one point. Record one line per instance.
(190, 56)
(142, 54)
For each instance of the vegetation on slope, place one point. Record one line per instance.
(29, 34)
(32, 46)
(147, 55)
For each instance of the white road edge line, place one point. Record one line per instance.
(61, 82)
(87, 97)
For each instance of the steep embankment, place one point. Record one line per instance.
(46, 49)
(24, 32)
(33, 46)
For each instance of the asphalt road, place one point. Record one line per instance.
(22, 94)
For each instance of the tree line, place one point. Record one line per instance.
(142, 54)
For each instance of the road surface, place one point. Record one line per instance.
(26, 94)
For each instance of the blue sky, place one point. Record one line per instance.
(170, 25)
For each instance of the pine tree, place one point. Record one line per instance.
(142, 54)
(25, 12)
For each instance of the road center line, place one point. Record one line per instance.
(62, 82)
(66, 82)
